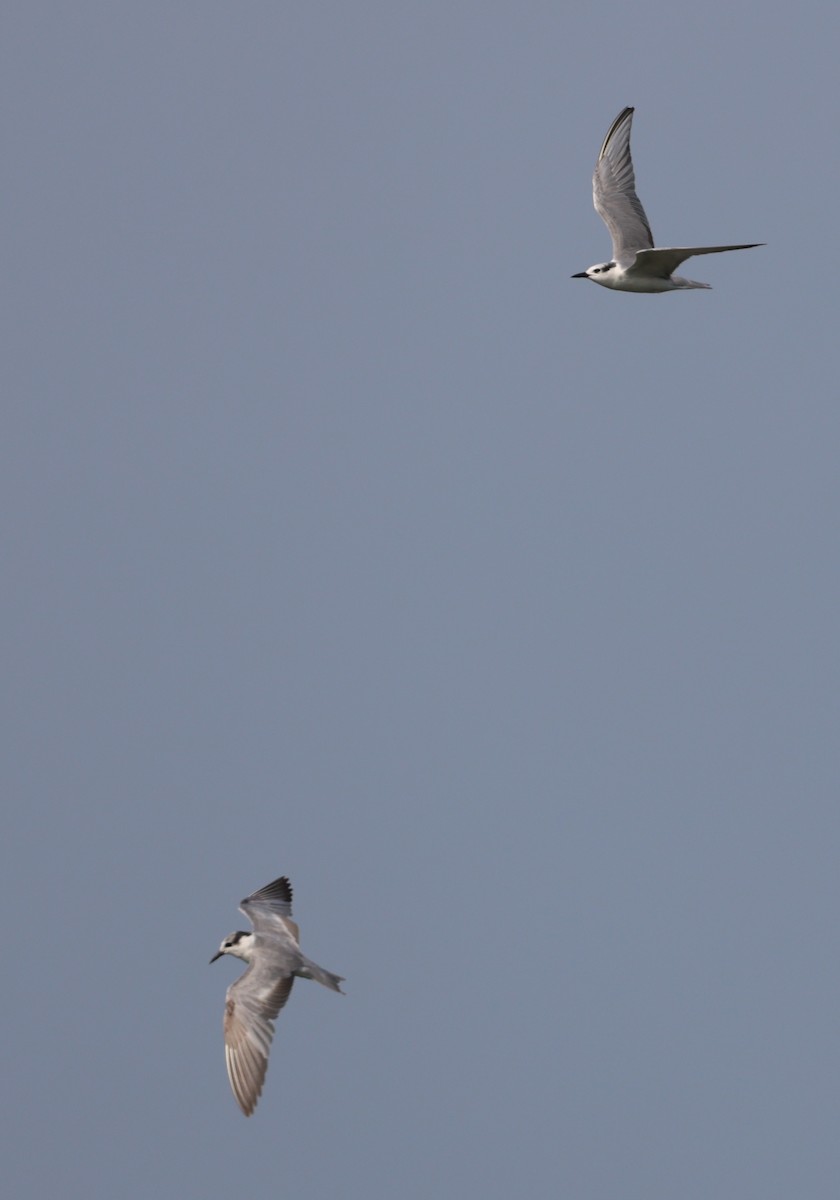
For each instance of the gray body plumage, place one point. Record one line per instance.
(253, 1002)
(636, 265)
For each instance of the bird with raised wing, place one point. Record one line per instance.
(636, 265)
(272, 951)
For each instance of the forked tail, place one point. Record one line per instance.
(311, 970)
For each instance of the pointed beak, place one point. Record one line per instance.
(580, 275)
(215, 956)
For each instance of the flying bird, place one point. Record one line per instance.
(252, 1003)
(635, 265)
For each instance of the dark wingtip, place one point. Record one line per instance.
(278, 889)
(622, 116)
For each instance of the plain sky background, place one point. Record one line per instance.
(345, 536)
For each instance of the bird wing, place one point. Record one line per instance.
(269, 910)
(250, 1009)
(662, 262)
(614, 190)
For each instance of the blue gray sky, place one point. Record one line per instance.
(345, 536)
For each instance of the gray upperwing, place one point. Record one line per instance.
(250, 1009)
(260, 994)
(663, 261)
(614, 190)
(269, 907)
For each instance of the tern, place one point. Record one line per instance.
(252, 1003)
(635, 266)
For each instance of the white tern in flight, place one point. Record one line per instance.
(635, 265)
(274, 958)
